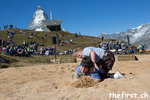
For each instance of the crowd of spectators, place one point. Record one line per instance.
(27, 49)
(29, 35)
(52, 51)
(118, 47)
(23, 50)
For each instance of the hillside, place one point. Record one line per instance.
(47, 40)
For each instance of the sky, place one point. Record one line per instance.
(89, 17)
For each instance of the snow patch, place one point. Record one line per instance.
(39, 29)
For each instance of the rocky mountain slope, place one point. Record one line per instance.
(138, 35)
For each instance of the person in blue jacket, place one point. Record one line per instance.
(87, 68)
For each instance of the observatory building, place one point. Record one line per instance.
(52, 25)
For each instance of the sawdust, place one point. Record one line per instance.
(84, 82)
(54, 82)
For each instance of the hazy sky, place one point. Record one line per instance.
(90, 17)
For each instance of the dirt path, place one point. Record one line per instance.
(53, 82)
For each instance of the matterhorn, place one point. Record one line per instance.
(36, 22)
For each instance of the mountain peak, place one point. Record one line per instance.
(36, 22)
(38, 7)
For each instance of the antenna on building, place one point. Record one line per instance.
(50, 14)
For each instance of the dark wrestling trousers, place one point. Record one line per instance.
(106, 63)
